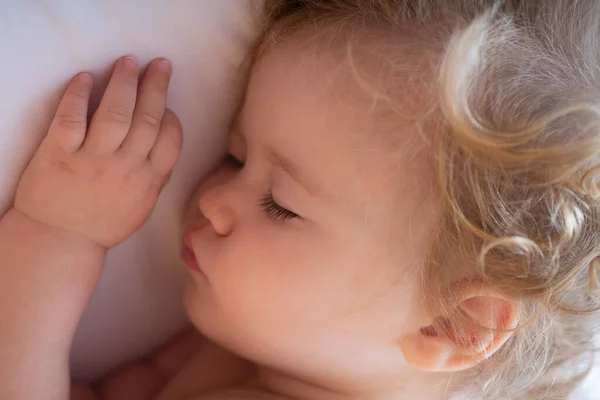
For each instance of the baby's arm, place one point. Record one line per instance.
(47, 276)
(85, 190)
(143, 379)
(185, 368)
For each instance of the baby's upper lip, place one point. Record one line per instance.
(196, 224)
(187, 238)
(189, 230)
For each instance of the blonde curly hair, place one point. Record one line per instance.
(515, 98)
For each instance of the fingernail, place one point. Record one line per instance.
(85, 78)
(129, 62)
(164, 65)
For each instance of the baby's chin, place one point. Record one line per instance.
(197, 305)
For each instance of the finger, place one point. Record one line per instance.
(112, 120)
(67, 130)
(167, 147)
(149, 109)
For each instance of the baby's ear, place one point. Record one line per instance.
(452, 344)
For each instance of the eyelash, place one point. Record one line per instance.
(267, 202)
(274, 210)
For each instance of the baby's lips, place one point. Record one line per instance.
(196, 225)
(187, 238)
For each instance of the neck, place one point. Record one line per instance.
(420, 385)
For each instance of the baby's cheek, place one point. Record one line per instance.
(197, 305)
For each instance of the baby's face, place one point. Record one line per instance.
(310, 247)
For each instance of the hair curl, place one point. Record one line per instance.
(516, 89)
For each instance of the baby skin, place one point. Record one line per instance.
(304, 257)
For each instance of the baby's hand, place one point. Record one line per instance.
(102, 180)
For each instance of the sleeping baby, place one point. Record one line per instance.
(408, 209)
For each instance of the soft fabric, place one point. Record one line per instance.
(137, 304)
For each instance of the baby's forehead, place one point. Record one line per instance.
(339, 108)
(386, 93)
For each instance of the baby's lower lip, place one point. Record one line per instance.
(187, 254)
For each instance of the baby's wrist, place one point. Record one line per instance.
(56, 232)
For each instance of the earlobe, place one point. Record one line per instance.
(450, 343)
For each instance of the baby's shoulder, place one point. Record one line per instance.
(240, 394)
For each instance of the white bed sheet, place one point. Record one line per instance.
(42, 43)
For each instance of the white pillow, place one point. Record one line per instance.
(137, 303)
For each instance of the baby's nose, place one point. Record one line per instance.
(213, 206)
